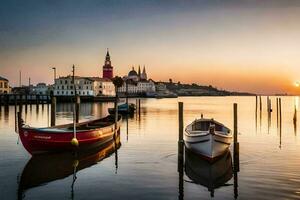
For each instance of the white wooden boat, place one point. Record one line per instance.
(207, 137)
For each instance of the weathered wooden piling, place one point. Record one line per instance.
(139, 108)
(280, 123)
(236, 152)
(19, 121)
(180, 165)
(235, 127)
(180, 120)
(277, 106)
(20, 102)
(53, 111)
(77, 108)
(280, 116)
(260, 104)
(37, 98)
(26, 102)
(235, 131)
(116, 116)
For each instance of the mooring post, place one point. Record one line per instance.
(256, 105)
(236, 160)
(260, 104)
(37, 100)
(180, 151)
(180, 118)
(53, 110)
(19, 122)
(235, 131)
(26, 102)
(277, 106)
(20, 102)
(139, 108)
(77, 108)
(116, 116)
(280, 116)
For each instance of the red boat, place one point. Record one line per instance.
(58, 138)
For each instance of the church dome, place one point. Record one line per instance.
(132, 73)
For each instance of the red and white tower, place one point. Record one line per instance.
(107, 67)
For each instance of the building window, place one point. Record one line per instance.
(66, 81)
(71, 92)
(1, 85)
(62, 92)
(62, 87)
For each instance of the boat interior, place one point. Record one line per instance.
(204, 125)
(89, 125)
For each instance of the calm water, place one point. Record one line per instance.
(145, 165)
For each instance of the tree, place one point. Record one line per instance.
(118, 82)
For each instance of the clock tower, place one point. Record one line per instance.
(107, 67)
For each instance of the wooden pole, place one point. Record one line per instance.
(20, 103)
(236, 148)
(139, 108)
(180, 165)
(280, 123)
(37, 100)
(19, 121)
(256, 107)
(116, 114)
(53, 110)
(180, 119)
(277, 106)
(26, 102)
(77, 108)
(235, 131)
(136, 106)
(260, 104)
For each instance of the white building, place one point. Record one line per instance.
(40, 88)
(137, 83)
(85, 86)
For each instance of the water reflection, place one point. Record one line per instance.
(46, 168)
(295, 114)
(210, 175)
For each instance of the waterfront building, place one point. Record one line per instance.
(40, 88)
(137, 83)
(85, 86)
(107, 67)
(4, 87)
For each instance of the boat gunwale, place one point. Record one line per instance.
(61, 129)
(198, 133)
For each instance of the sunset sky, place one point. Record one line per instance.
(238, 45)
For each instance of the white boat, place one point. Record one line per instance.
(207, 137)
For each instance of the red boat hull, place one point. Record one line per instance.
(37, 142)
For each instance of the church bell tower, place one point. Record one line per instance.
(107, 67)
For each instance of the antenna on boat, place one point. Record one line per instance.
(74, 140)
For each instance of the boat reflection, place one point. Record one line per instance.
(42, 169)
(210, 175)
